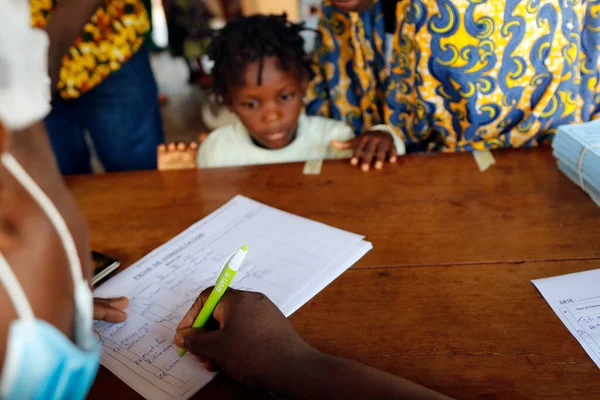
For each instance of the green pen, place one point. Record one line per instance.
(223, 281)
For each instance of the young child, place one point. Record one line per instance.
(261, 73)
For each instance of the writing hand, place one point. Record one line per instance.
(254, 343)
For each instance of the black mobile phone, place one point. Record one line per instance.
(104, 266)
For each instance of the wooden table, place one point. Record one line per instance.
(454, 253)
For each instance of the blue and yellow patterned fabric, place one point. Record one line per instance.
(465, 74)
(350, 67)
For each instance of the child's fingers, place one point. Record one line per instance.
(181, 146)
(193, 146)
(369, 154)
(343, 145)
(161, 148)
(382, 151)
(359, 149)
(393, 154)
(171, 146)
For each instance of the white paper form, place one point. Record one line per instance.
(290, 259)
(575, 298)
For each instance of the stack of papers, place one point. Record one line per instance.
(577, 148)
(290, 259)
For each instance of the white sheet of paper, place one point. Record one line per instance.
(575, 298)
(290, 259)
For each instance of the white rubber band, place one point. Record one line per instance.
(580, 164)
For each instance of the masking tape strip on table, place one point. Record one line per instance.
(313, 167)
(484, 159)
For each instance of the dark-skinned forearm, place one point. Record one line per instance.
(317, 375)
(64, 26)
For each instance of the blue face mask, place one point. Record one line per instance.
(40, 362)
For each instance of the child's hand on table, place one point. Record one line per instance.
(111, 310)
(176, 156)
(371, 147)
(255, 343)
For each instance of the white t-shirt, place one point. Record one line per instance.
(24, 81)
(232, 145)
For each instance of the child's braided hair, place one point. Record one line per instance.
(252, 39)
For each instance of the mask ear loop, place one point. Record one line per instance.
(24, 313)
(83, 296)
(15, 291)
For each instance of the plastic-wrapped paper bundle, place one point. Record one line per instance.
(577, 148)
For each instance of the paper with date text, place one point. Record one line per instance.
(575, 298)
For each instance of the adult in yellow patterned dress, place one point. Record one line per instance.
(102, 83)
(461, 75)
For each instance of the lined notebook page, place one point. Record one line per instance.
(290, 259)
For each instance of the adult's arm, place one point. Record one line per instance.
(257, 346)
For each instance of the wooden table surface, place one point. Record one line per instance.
(454, 253)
